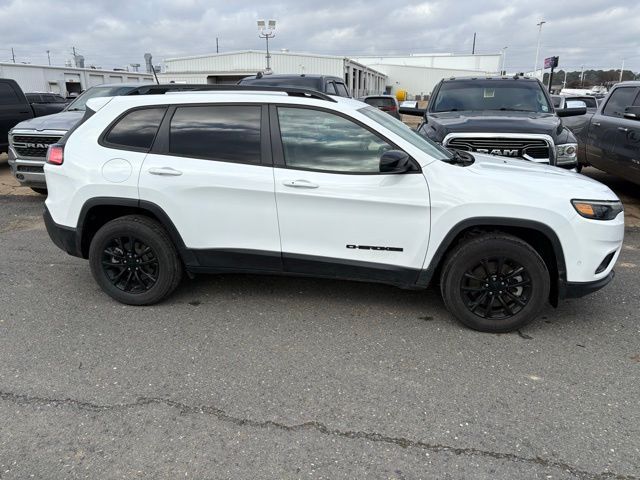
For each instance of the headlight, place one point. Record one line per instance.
(598, 210)
(566, 153)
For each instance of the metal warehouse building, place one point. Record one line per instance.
(229, 68)
(417, 74)
(65, 80)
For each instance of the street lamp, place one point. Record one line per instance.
(503, 71)
(539, 25)
(267, 30)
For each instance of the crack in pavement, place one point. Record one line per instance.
(312, 426)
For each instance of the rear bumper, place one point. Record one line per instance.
(580, 289)
(65, 238)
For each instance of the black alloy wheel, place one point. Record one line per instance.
(496, 288)
(130, 264)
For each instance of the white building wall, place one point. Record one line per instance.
(483, 63)
(43, 78)
(418, 80)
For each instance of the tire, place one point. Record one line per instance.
(41, 191)
(473, 264)
(140, 275)
(579, 168)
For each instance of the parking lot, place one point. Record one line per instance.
(272, 377)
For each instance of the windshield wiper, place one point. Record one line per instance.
(504, 109)
(75, 110)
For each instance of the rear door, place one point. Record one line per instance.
(626, 152)
(338, 215)
(210, 171)
(13, 109)
(603, 130)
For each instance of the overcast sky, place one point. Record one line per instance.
(115, 33)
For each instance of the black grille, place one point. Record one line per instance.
(33, 145)
(509, 147)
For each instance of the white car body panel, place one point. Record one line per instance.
(237, 206)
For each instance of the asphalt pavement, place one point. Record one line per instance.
(270, 377)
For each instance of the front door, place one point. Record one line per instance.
(210, 171)
(626, 152)
(603, 130)
(338, 215)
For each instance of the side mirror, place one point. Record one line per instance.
(395, 161)
(571, 112)
(632, 113)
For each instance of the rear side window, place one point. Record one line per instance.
(620, 99)
(228, 133)
(342, 90)
(137, 129)
(7, 95)
(380, 101)
(331, 88)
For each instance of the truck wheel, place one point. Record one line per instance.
(494, 282)
(134, 260)
(41, 191)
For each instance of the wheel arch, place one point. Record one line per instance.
(539, 235)
(100, 210)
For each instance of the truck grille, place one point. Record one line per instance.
(534, 148)
(33, 145)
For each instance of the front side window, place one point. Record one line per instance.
(620, 99)
(137, 129)
(319, 140)
(331, 88)
(217, 132)
(342, 90)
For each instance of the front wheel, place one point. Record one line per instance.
(494, 282)
(134, 260)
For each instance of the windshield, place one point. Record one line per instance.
(80, 103)
(396, 126)
(508, 95)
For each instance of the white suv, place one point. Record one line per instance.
(287, 181)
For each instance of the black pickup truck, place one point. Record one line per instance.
(507, 116)
(610, 138)
(16, 106)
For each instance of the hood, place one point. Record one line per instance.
(484, 121)
(526, 175)
(58, 121)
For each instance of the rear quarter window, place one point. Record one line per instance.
(136, 130)
(8, 95)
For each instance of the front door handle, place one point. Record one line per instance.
(623, 129)
(596, 124)
(165, 172)
(299, 184)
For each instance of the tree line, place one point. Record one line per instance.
(590, 78)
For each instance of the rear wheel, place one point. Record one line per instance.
(134, 260)
(494, 282)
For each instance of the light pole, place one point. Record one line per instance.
(539, 25)
(503, 71)
(267, 30)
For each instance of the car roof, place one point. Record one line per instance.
(490, 77)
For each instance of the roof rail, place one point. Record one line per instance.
(291, 91)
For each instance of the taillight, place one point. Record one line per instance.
(55, 154)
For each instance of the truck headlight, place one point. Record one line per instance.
(567, 153)
(598, 209)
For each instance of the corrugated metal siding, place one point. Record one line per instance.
(254, 61)
(33, 78)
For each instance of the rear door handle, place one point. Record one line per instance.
(596, 124)
(299, 184)
(623, 129)
(165, 172)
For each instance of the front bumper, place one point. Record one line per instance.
(30, 173)
(65, 238)
(580, 289)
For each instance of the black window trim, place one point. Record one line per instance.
(102, 140)
(606, 104)
(161, 142)
(278, 147)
